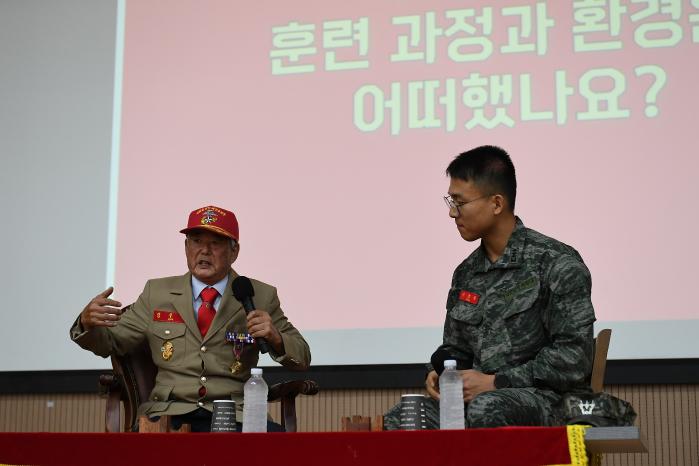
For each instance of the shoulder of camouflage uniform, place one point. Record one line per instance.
(538, 244)
(562, 264)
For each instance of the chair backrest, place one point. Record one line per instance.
(599, 363)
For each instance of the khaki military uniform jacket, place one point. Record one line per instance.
(195, 362)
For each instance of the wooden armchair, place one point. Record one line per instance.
(133, 379)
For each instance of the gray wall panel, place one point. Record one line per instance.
(56, 93)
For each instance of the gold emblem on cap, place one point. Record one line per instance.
(208, 217)
(167, 349)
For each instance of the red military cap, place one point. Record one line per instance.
(214, 219)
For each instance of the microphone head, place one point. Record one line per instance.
(242, 288)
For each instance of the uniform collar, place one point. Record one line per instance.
(198, 286)
(514, 251)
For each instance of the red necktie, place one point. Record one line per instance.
(206, 309)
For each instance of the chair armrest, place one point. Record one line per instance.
(107, 383)
(286, 392)
(110, 387)
(292, 388)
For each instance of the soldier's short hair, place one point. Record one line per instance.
(488, 167)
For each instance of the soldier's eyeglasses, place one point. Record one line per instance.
(452, 204)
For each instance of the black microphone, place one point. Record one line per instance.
(243, 292)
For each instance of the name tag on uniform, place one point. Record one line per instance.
(469, 297)
(167, 316)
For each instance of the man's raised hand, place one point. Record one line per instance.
(101, 311)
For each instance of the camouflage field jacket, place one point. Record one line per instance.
(527, 316)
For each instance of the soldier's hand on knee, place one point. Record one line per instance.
(432, 384)
(475, 383)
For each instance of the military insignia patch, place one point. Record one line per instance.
(167, 350)
(167, 316)
(236, 367)
(209, 217)
(469, 297)
(513, 255)
(521, 287)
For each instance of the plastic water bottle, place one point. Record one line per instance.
(451, 397)
(255, 403)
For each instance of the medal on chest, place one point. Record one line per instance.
(238, 340)
(166, 350)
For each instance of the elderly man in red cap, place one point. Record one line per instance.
(200, 336)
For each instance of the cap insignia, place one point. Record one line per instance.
(208, 217)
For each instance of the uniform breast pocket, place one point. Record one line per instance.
(524, 324)
(167, 343)
(466, 317)
(469, 314)
(465, 306)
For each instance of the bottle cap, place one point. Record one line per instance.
(450, 363)
(256, 371)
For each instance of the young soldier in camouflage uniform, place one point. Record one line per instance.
(519, 317)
